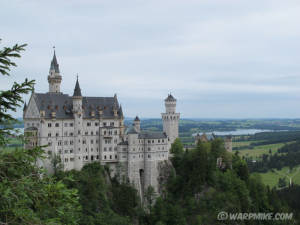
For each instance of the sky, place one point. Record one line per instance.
(218, 58)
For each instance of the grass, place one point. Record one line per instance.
(259, 150)
(271, 177)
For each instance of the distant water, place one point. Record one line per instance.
(237, 132)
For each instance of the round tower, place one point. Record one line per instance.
(170, 118)
(78, 114)
(54, 78)
(137, 124)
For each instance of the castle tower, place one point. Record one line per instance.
(78, 114)
(54, 78)
(137, 124)
(170, 118)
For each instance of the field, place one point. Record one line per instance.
(12, 144)
(271, 177)
(256, 151)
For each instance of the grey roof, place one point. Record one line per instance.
(152, 135)
(137, 118)
(77, 90)
(62, 104)
(25, 106)
(54, 65)
(170, 98)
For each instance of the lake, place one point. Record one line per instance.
(237, 132)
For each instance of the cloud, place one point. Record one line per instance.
(219, 58)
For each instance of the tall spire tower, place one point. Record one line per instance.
(170, 118)
(54, 78)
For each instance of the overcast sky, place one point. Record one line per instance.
(219, 58)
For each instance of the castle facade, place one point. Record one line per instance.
(81, 130)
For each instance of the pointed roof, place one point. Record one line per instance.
(54, 65)
(137, 118)
(77, 90)
(132, 130)
(170, 98)
(25, 106)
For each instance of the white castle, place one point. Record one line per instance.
(82, 130)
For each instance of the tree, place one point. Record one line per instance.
(177, 147)
(12, 98)
(27, 194)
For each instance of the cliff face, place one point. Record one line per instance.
(165, 170)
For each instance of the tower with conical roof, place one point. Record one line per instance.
(78, 125)
(170, 118)
(54, 78)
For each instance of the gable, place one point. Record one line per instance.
(32, 111)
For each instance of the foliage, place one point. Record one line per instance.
(11, 99)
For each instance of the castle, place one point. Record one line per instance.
(82, 130)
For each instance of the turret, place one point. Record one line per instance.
(54, 78)
(78, 114)
(170, 118)
(137, 124)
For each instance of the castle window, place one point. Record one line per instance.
(71, 150)
(149, 149)
(86, 133)
(96, 124)
(112, 124)
(163, 148)
(78, 131)
(71, 133)
(91, 149)
(49, 134)
(49, 143)
(66, 151)
(105, 132)
(79, 149)
(149, 156)
(57, 134)
(110, 149)
(66, 160)
(96, 141)
(104, 124)
(71, 124)
(116, 132)
(97, 132)
(88, 124)
(105, 149)
(115, 149)
(162, 140)
(49, 125)
(71, 142)
(110, 157)
(71, 159)
(92, 157)
(97, 157)
(92, 141)
(105, 157)
(57, 125)
(152, 141)
(59, 143)
(158, 141)
(86, 150)
(66, 124)
(149, 141)
(92, 133)
(83, 141)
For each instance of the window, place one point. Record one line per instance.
(59, 143)
(97, 132)
(162, 140)
(96, 124)
(149, 156)
(88, 124)
(149, 149)
(71, 150)
(152, 141)
(57, 134)
(65, 133)
(86, 150)
(97, 157)
(66, 151)
(91, 149)
(57, 125)
(116, 156)
(116, 132)
(86, 133)
(115, 141)
(104, 124)
(112, 124)
(158, 141)
(149, 141)
(110, 149)
(71, 142)
(110, 157)
(92, 141)
(96, 141)
(49, 125)
(78, 131)
(71, 159)
(49, 143)
(66, 124)
(49, 134)
(66, 160)
(83, 141)
(105, 149)
(71, 133)
(115, 149)
(92, 133)
(105, 157)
